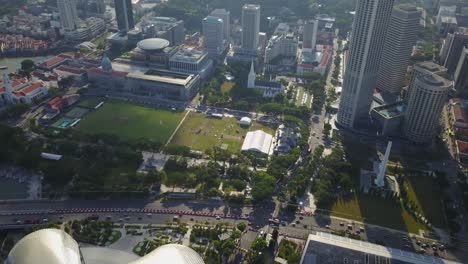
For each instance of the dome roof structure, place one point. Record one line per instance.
(106, 64)
(51, 246)
(172, 254)
(153, 44)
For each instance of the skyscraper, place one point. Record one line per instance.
(250, 27)
(427, 95)
(213, 36)
(399, 41)
(309, 34)
(460, 77)
(124, 15)
(226, 17)
(68, 14)
(459, 41)
(367, 39)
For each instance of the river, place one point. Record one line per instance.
(15, 63)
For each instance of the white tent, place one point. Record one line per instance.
(245, 121)
(258, 141)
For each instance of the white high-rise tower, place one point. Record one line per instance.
(367, 39)
(250, 27)
(68, 14)
(399, 42)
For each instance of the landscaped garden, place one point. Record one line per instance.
(201, 132)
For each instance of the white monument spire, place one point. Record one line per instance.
(251, 77)
(379, 181)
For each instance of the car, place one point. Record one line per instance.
(139, 218)
(191, 219)
(305, 226)
(293, 224)
(300, 217)
(108, 217)
(45, 220)
(362, 229)
(350, 227)
(149, 214)
(327, 226)
(218, 217)
(283, 223)
(298, 222)
(341, 224)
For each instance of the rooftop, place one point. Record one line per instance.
(258, 140)
(188, 55)
(337, 242)
(153, 44)
(391, 110)
(164, 76)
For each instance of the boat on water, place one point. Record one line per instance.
(3, 67)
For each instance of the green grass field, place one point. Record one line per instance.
(91, 102)
(375, 210)
(76, 112)
(426, 194)
(11, 189)
(129, 121)
(201, 133)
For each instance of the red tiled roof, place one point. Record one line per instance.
(29, 89)
(54, 101)
(69, 69)
(53, 61)
(459, 113)
(462, 146)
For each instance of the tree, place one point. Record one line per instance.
(263, 187)
(241, 226)
(274, 235)
(27, 66)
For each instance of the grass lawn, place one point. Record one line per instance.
(226, 87)
(129, 121)
(426, 194)
(298, 95)
(91, 102)
(11, 189)
(375, 210)
(201, 133)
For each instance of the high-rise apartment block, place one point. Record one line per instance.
(124, 15)
(399, 41)
(367, 39)
(427, 95)
(309, 34)
(226, 17)
(250, 27)
(213, 36)
(68, 14)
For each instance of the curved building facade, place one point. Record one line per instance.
(428, 93)
(51, 246)
(54, 246)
